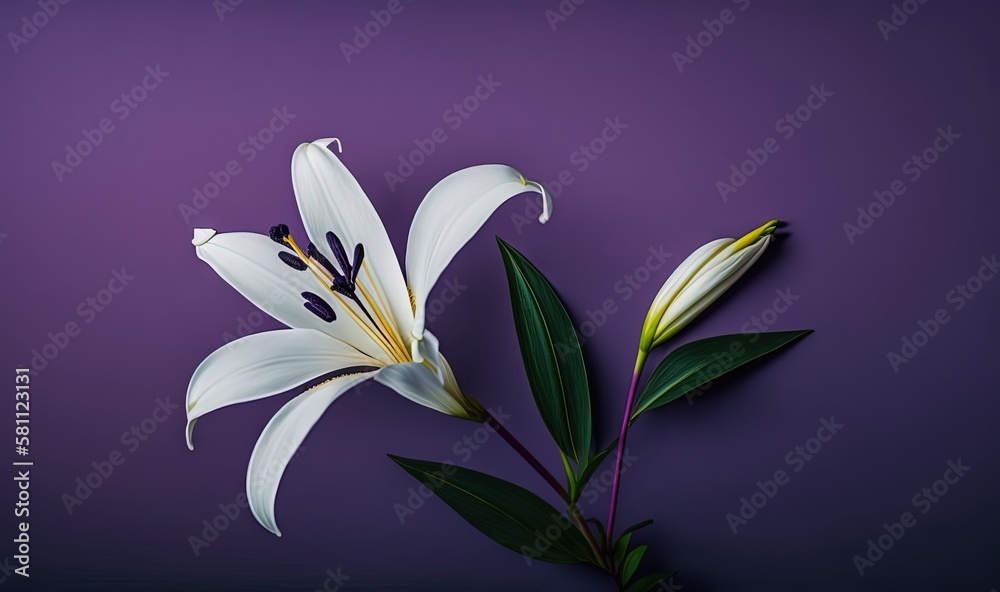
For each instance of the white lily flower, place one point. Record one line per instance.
(343, 294)
(699, 281)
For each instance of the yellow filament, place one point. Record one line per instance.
(381, 305)
(383, 323)
(325, 279)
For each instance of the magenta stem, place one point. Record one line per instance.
(639, 362)
(526, 455)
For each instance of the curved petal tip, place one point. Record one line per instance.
(546, 201)
(189, 431)
(202, 236)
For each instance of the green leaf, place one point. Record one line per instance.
(632, 562)
(589, 467)
(621, 546)
(507, 513)
(648, 582)
(700, 362)
(602, 539)
(552, 357)
(636, 527)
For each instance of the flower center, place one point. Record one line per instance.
(345, 286)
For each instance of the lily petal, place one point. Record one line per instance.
(706, 289)
(684, 272)
(249, 262)
(330, 200)
(265, 364)
(281, 439)
(420, 384)
(449, 216)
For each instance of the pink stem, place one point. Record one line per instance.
(640, 361)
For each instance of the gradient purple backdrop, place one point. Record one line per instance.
(653, 187)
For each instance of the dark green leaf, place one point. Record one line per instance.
(592, 464)
(632, 562)
(699, 362)
(636, 527)
(621, 546)
(602, 538)
(648, 582)
(507, 513)
(552, 357)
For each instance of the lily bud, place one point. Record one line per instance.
(699, 281)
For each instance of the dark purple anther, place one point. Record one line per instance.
(320, 258)
(359, 257)
(343, 287)
(319, 307)
(338, 251)
(279, 233)
(292, 261)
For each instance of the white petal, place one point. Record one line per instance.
(449, 216)
(690, 266)
(706, 290)
(330, 200)
(281, 439)
(265, 364)
(249, 262)
(420, 384)
(428, 349)
(202, 236)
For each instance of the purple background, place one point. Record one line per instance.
(654, 186)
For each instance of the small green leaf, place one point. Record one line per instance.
(552, 357)
(636, 527)
(589, 467)
(632, 562)
(648, 582)
(699, 362)
(621, 546)
(602, 538)
(507, 513)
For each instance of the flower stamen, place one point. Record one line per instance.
(337, 283)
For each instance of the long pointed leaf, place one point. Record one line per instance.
(699, 362)
(552, 357)
(507, 513)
